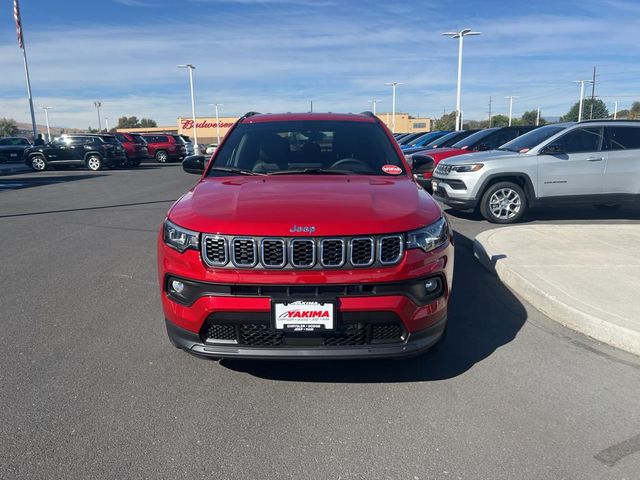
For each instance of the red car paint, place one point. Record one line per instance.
(281, 206)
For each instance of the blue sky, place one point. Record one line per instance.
(276, 55)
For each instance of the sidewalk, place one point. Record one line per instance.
(10, 168)
(587, 277)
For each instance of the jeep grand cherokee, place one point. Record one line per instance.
(306, 237)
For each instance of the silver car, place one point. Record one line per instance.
(593, 162)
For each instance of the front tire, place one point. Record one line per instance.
(38, 163)
(162, 156)
(503, 202)
(94, 163)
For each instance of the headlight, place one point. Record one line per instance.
(472, 167)
(180, 238)
(429, 237)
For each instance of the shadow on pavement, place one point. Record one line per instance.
(483, 316)
(587, 212)
(39, 180)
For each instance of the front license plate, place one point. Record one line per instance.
(303, 316)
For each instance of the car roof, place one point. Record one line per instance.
(287, 117)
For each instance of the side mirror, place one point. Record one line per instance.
(552, 149)
(422, 164)
(193, 164)
(483, 147)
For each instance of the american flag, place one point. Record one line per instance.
(16, 17)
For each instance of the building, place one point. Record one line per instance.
(406, 123)
(208, 129)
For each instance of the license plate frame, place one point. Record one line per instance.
(299, 322)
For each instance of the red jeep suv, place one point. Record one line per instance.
(305, 237)
(135, 147)
(165, 147)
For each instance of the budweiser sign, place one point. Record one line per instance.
(188, 124)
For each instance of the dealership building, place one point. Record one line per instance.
(208, 129)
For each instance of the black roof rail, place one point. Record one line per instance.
(368, 114)
(249, 114)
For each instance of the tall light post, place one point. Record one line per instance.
(196, 148)
(460, 36)
(98, 104)
(510, 97)
(374, 102)
(46, 116)
(393, 104)
(106, 122)
(216, 105)
(581, 82)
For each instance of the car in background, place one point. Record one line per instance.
(12, 148)
(591, 162)
(487, 139)
(424, 139)
(135, 147)
(408, 137)
(442, 142)
(92, 151)
(210, 148)
(165, 147)
(188, 144)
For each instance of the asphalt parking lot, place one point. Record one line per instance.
(91, 388)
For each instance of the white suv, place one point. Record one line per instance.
(594, 162)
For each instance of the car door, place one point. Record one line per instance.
(573, 164)
(57, 151)
(622, 170)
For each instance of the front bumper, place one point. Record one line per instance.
(415, 344)
(452, 197)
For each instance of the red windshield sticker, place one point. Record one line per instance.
(391, 169)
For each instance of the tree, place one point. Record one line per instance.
(499, 121)
(445, 122)
(92, 130)
(630, 114)
(599, 110)
(128, 122)
(476, 124)
(148, 123)
(529, 118)
(8, 127)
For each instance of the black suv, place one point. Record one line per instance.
(12, 148)
(93, 151)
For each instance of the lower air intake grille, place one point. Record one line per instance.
(221, 332)
(386, 331)
(259, 335)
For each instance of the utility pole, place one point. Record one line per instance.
(311, 102)
(593, 92)
(581, 82)
(46, 116)
(510, 97)
(374, 102)
(489, 111)
(98, 104)
(106, 121)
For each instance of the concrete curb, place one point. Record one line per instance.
(549, 301)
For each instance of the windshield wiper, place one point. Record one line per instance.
(239, 171)
(312, 171)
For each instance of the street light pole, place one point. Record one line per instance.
(538, 117)
(393, 104)
(581, 82)
(510, 97)
(98, 104)
(615, 111)
(460, 36)
(216, 105)
(46, 116)
(191, 68)
(106, 122)
(374, 102)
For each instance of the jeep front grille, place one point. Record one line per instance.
(301, 252)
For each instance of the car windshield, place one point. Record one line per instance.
(474, 139)
(307, 147)
(139, 139)
(179, 139)
(109, 139)
(526, 142)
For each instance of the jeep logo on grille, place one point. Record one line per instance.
(301, 229)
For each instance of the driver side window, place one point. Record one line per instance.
(581, 140)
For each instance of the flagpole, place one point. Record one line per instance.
(26, 74)
(20, 35)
